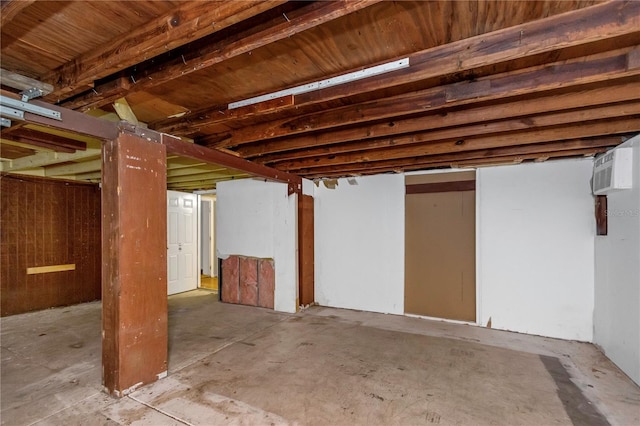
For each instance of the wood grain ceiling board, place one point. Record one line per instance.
(48, 34)
(380, 32)
(12, 152)
(375, 125)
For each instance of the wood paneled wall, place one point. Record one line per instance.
(46, 222)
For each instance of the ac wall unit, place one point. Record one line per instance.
(613, 171)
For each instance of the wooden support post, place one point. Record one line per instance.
(134, 265)
(305, 249)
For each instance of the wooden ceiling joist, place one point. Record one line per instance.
(310, 16)
(74, 168)
(486, 82)
(588, 97)
(10, 151)
(46, 158)
(570, 73)
(196, 152)
(45, 140)
(204, 177)
(558, 133)
(441, 160)
(461, 133)
(190, 21)
(607, 22)
(193, 170)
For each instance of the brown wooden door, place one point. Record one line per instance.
(440, 246)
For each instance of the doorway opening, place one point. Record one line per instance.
(208, 257)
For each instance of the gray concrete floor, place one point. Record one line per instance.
(233, 364)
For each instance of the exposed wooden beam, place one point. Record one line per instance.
(460, 133)
(71, 121)
(11, 151)
(571, 73)
(45, 140)
(11, 8)
(209, 184)
(420, 162)
(194, 170)
(198, 177)
(582, 130)
(189, 21)
(22, 83)
(596, 24)
(516, 159)
(74, 168)
(46, 158)
(176, 146)
(124, 111)
(449, 118)
(8, 138)
(310, 16)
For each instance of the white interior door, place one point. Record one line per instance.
(182, 238)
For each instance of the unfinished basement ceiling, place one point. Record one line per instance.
(486, 82)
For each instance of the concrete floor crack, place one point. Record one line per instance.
(164, 413)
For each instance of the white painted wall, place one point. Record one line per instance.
(617, 286)
(259, 219)
(535, 248)
(359, 244)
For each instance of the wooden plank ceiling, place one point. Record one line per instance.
(488, 82)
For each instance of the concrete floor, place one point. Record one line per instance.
(233, 364)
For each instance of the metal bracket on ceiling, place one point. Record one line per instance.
(31, 93)
(5, 122)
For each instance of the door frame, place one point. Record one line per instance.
(204, 238)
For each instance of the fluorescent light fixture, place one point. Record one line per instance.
(329, 82)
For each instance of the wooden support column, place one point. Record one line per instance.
(305, 249)
(134, 265)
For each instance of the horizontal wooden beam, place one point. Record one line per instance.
(22, 83)
(516, 159)
(482, 156)
(46, 158)
(560, 75)
(187, 22)
(200, 177)
(74, 168)
(591, 25)
(553, 134)
(448, 118)
(209, 184)
(193, 170)
(13, 150)
(46, 140)
(9, 138)
(461, 133)
(176, 146)
(310, 16)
